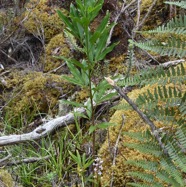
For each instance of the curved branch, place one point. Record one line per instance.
(40, 131)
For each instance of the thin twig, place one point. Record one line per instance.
(8, 56)
(116, 149)
(138, 14)
(123, 8)
(146, 15)
(25, 160)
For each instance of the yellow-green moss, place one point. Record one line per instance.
(34, 93)
(5, 179)
(159, 13)
(56, 47)
(3, 18)
(40, 18)
(119, 64)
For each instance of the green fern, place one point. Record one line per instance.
(170, 96)
(143, 176)
(146, 185)
(165, 103)
(167, 170)
(173, 47)
(177, 3)
(159, 75)
(176, 26)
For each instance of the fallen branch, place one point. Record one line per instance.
(40, 131)
(172, 63)
(25, 161)
(49, 127)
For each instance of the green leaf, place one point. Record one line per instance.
(100, 29)
(103, 125)
(93, 11)
(101, 43)
(76, 104)
(106, 51)
(74, 157)
(88, 108)
(65, 20)
(74, 80)
(78, 114)
(107, 97)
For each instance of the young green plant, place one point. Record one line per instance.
(94, 46)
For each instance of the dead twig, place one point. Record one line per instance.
(5, 161)
(123, 8)
(116, 149)
(25, 161)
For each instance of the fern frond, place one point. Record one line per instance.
(182, 107)
(158, 75)
(169, 96)
(167, 115)
(177, 3)
(165, 178)
(175, 26)
(145, 185)
(144, 164)
(146, 148)
(173, 47)
(145, 136)
(176, 155)
(168, 166)
(181, 137)
(143, 176)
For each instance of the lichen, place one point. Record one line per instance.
(42, 19)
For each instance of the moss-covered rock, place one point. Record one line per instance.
(33, 93)
(42, 19)
(56, 47)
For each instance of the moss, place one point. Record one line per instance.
(3, 18)
(58, 47)
(33, 93)
(42, 19)
(82, 95)
(5, 179)
(159, 13)
(118, 64)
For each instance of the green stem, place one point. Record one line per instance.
(82, 181)
(90, 91)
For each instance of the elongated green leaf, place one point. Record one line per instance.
(106, 51)
(73, 80)
(101, 126)
(100, 29)
(74, 157)
(65, 20)
(93, 12)
(107, 97)
(76, 104)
